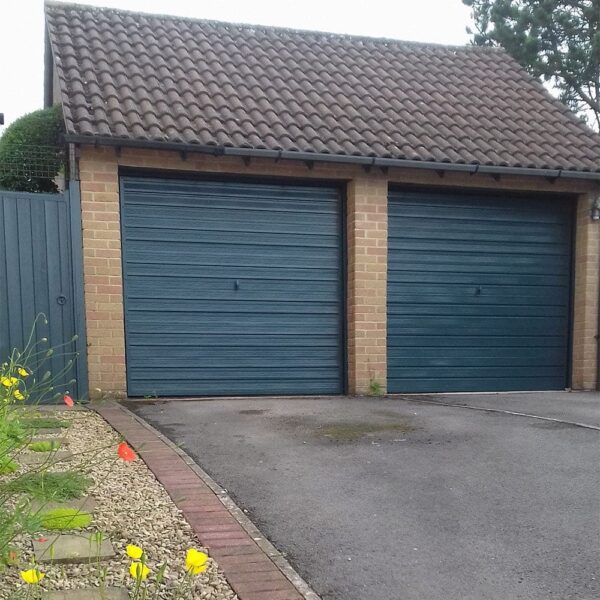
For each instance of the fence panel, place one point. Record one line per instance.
(36, 276)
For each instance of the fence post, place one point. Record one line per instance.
(74, 197)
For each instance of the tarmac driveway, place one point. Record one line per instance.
(401, 499)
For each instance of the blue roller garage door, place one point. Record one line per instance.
(232, 288)
(478, 292)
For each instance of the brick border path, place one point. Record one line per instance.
(252, 566)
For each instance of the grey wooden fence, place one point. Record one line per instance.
(40, 273)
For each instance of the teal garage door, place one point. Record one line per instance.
(478, 292)
(232, 288)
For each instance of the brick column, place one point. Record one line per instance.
(100, 218)
(585, 325)
(367, 283)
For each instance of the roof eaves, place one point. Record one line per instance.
(367, 161)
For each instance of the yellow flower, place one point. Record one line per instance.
(134, 552)
(23, 372)
(18, 395)
(9, 381)
(32, 576)
(139, 571)
(195, 561)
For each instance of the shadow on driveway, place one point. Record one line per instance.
(396, 499)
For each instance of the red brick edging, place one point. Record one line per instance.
(247, 567)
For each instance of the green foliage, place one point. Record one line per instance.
(65, 518)
(18, 422)
(30, 151)
(14, 521)
(45, 446)
(375, 388)
(555, 40)
(45, 485)
(7, 466)
(44, 423)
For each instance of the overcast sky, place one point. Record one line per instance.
(22, 29)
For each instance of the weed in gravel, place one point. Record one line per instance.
(66, 485)
(65, 518)
(44, 423)
(44, 446)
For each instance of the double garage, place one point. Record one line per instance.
(239, 288)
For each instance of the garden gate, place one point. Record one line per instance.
(40, 273)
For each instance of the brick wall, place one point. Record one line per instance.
(585, 321)
(367, 281)
(103, 287)
(367, 254)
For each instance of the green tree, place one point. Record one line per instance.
(555, 40)
(31, 154)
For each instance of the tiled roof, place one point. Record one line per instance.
(144, 77)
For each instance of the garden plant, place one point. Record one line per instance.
(36, 480)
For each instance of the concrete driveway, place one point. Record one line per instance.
(408, 498)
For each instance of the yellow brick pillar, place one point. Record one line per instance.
(367, 283)
(585, 325)
(103, 285)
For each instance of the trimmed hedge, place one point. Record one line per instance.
(31, 155)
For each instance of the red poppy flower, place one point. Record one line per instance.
(126, 453)
(68, 401)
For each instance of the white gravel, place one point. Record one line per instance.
(132, 508)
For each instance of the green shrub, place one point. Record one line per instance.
(31, 154)
(45, 446)
(44, 485)
(65, 518)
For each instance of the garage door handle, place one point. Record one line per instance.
(236, 285)
(478, 290)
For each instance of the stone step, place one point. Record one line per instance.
(86, 504)
(62, 440)
(48, 431)
(65, 548)
(39, 458)
(89, 594)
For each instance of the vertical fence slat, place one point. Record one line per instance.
(13, 274)
(4, 314)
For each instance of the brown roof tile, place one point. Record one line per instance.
(146, 77)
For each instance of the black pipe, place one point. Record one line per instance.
(48, 71)
(598, 334)
(331, 158)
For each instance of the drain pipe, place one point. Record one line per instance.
(595, 215)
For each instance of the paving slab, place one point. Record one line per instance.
(72, 549)
(39, 458)
(87, 504)
(95, 594)
(48, 431)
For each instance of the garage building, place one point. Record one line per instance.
(278, 212)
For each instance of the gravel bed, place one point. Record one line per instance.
(132, 508)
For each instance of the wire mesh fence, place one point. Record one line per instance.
(31, 168)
